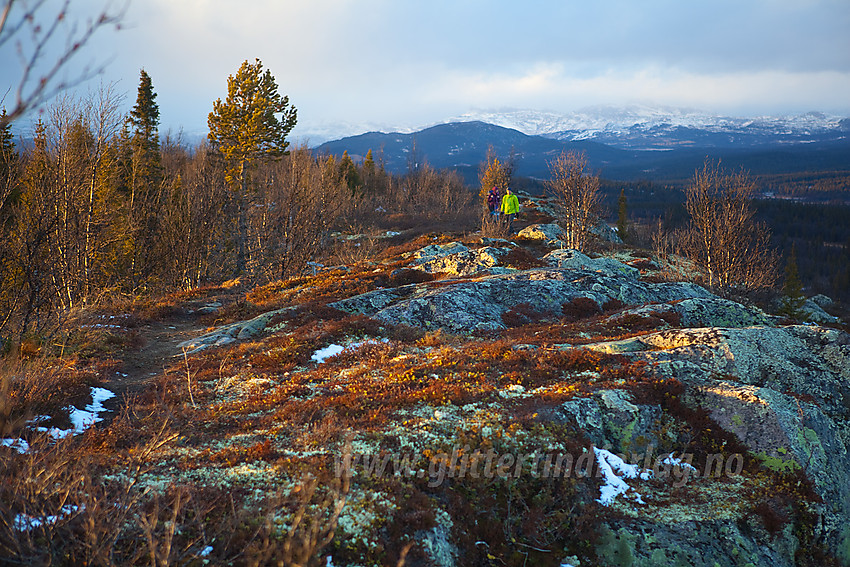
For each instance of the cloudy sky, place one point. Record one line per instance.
(412, 63)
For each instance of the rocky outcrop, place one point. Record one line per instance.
(551, 234)
(479, 304)
(567, 259)
(784, 392)
(455, 259)
(779, 393)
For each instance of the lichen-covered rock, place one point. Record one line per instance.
(692, 544)
(549, 233)
(434, 251)
(705, 312)
(457, 260)
(610, 419)
(479, 304)
(813, 311)
(227, 334)
(783, 391)
(604, 232)
(568, 259)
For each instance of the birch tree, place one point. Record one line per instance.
(723, 237)
(576, 193)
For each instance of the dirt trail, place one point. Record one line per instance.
(159, 350)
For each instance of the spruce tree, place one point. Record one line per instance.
(369, 163)
(792, 290)
(623, 217)
(9, 192)
(147, 163)
(244, 129)
(348, 173)
(143, 175)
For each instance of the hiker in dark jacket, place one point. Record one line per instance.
(494, 200)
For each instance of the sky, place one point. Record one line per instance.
(405, 64)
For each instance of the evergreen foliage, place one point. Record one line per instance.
(145, 141)
(349, 175)
(245, 128)
(622, 216)
(8, 165)
(792, 290)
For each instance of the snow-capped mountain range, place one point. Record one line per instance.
(638, 127)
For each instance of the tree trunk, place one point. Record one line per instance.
(242, 221)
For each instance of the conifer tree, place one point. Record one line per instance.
(245, 128)
(369, 163)
(144, 179)
(8, 165)
(792, 290)
(147, 167)
(622, 217)
(348, 173)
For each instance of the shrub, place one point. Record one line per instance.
(580, 308)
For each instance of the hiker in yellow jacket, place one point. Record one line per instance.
(510, 207)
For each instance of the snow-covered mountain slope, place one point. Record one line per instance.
(638, 126)
(625, 127)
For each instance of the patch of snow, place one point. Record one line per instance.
(82, 419)
(24, 522)
(614, 485)
(19, 445)
(324, 353)
(331, 350)
(676, 462)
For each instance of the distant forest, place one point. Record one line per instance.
(810, 211)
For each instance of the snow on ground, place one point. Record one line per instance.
(324, 353)
(24, 522)
(331, 350)
(19, 445)
(613, 483)
(80, 420)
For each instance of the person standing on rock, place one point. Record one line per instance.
(510, 207)
(494, 199)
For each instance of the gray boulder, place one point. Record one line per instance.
(479, 305)
(567, 259)
(456, 259)
(549, 233)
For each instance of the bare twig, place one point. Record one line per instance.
(189, 378)
(42, 32)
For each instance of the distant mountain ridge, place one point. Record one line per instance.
(665, 149)
(648, 127)
(637, 127)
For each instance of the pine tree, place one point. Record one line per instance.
(623, 217)
(792, 290)
(245, 128)
(369, 163)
